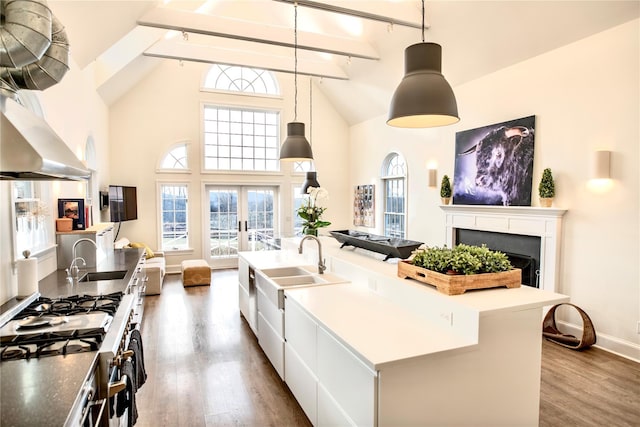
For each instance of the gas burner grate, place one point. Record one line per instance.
(51, 344)
(75, 304)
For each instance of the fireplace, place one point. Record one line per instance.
(523, 251)
(531, 235)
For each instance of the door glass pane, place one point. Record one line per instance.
(260, 230)
(223, 223)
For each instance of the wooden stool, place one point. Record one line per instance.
(196, 272)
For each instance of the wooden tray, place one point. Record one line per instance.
(452, 284)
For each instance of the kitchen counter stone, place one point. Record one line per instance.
(43, 391)
(40, 392)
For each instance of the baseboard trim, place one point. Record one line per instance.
(606, 342)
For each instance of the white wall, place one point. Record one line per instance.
(165, 109)
(75, 111)
(585, 97)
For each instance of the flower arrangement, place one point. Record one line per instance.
(311, 210)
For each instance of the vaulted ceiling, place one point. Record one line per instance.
(361, 58)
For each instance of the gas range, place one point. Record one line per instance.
(51, 327)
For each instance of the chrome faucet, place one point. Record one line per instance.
(321, 266)
(73, 271)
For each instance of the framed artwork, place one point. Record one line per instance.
(74, 209)
(494, 164)
(364, 205)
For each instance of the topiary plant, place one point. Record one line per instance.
(547, 188)
(445, 187)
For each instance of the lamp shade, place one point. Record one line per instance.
(295, 147)
(423, 98)
(311, 181)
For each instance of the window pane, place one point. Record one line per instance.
(243, 132)
(174, 204)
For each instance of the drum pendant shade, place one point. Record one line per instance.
(311, 181)
(423, 98)
(295, 147)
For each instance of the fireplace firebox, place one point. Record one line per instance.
(522, 251)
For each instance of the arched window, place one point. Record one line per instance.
(176, 158)
(394, 174)
(232, 78)
(241, 138)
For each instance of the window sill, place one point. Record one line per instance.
(178, 251)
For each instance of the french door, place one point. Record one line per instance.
(240, 218)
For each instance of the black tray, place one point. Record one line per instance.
(390, 246)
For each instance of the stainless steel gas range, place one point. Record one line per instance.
(84, 336)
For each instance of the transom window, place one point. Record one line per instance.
(176, 158)
(394, 172)
(241, 139)
(241, 79)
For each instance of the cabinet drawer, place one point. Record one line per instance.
(272, 344)
(271, 312)
(301, 381)
(329, 411)
(347, 380)
(300, 333)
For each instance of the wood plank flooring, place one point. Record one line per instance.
(206, 369)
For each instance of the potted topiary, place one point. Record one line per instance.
(445, 190)
(546, 189)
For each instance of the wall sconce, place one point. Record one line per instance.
(432, 177)
(601, 168)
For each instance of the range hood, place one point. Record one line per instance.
(31, 150)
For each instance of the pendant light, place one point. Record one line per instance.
(295, 147)
(423, 98)
(312, 177)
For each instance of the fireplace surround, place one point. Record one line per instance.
(544, 223)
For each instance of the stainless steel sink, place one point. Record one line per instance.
(95, 276)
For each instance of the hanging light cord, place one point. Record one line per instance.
(310, 112)
(295, 55)
(422, 21)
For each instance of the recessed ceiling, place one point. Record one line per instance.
(478, 38)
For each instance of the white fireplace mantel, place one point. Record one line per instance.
(545, 223)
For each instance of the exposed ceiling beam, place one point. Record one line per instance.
(188, 51)
(190, 22)
(338, 8)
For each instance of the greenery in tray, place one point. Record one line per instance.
(463, 259)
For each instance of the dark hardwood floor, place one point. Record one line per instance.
(206, 369)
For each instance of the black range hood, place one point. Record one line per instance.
(31, 150)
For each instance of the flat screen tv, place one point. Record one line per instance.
(123, 203)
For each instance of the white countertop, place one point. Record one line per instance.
(485, 301)
(380, 331)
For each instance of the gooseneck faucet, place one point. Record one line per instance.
(321, 266)
(73, 270)
(77, 242)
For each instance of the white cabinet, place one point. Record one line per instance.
(243, 287)
(347, 381)
(331, 383)
(271, 331)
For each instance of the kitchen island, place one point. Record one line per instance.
(49, 390)
(383, 351)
